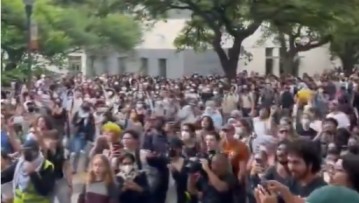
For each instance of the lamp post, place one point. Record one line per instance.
(28, 10)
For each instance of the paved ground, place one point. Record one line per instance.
(78, 181)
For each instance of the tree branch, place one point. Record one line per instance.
(311, 45)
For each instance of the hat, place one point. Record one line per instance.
(31, 144)
(112, 127)
(333, 194)
(235, 114)
(175, 143)
(228, 127)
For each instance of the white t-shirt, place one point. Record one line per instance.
(342, 119)
(260, 126)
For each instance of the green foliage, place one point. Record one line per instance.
(289, 21)
(63, 29)
(345, 42)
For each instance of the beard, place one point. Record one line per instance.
(302, 175)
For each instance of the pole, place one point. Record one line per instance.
(28, 10)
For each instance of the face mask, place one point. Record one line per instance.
(208, 109)
(127, 168)
(13, 102)
(320, 90)
(215, 93)
(185, 135)
(110, 94)
(157, 87)
(239, 130)
(283, 122)
(305, 121)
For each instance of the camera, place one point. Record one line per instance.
(194, 165)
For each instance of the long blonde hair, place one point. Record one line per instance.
(108, 176)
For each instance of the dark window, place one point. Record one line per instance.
(144, 65)
(269, 66)
(269, 52)
(162, 67)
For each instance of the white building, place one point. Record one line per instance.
(156, 55)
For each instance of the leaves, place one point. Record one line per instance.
(66, 26)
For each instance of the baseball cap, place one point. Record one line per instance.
(333, 194)
(31, 144)
(228, 127)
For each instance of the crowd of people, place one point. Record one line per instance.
(196, 139)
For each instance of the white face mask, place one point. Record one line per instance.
(13, 102)
(305, 121)
(215, 93)
(127, 168)
(185, 135)
(239, 130)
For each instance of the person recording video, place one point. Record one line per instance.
(217, 185)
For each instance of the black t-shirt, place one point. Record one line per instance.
(304, 191)
(211, 195)
(310, 133)
(271, 174)
(58, 159)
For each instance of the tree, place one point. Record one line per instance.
(62, 30)
(214, 21)
(307, 25)
(345, 43)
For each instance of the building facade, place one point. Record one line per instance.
(157, 55)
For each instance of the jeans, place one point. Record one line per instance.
(78, 145)
(61, 192)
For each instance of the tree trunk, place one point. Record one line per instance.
(229, 61)
(347, 62)
(289, 64)
(230, 69)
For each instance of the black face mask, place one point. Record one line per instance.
(30, 155)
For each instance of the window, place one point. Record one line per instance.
(92, 65)
(75, 63)
(269, 66)
(144, 66)
(269, 61)
(269, 52)
(105, 64)
(121, 62)
(162, 67)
